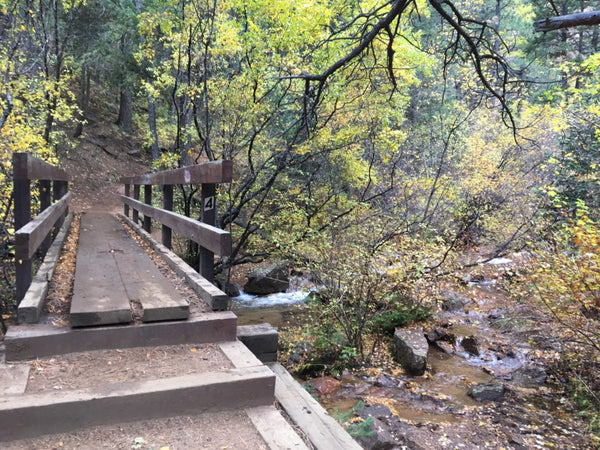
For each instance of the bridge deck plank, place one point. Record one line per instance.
(112, 271)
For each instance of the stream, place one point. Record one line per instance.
(415, 409)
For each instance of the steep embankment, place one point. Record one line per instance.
(100, 157)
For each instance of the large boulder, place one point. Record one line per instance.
(268, 279)
(410, 349)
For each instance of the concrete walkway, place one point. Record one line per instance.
(112, 272)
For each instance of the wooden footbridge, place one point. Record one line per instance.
(121, 300)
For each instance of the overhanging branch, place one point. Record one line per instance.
(568, 21)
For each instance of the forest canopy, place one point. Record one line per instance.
(374, 142)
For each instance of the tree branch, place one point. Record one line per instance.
(571, 20)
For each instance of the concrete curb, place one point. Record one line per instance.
(30, 308)
(32, 341)
(216, 299)
(32, 415)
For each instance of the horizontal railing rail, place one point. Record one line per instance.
(216, 240)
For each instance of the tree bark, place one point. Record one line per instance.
(152, 126)
(125, 119)
(567, 21)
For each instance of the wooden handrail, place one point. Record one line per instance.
(207, 236)
(27, 167)
(32, 236)
(210, 172)
(29, 238)
(210, 239)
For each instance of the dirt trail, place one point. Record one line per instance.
(102, 156)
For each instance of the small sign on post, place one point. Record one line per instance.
(209, 203)
(209, 217)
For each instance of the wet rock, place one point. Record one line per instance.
(410, 350)
(453, 301)
(378, 439)
(301, 351)
(325, 385)
(446, 347)
(529, 377)
(231, 289)
(484, 392)
(376, 411)
(268, 279)
(471, 345)
(386, 380)
(473, 278)
(440, 334)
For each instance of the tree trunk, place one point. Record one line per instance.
(152, 125)
(125, 119)
(84, 99)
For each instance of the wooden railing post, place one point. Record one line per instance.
(136, 196)
(22, 196)
(125, 205)
(59, 190)
(209, 217)
(167, 205)
(148, 201)
(45, 202)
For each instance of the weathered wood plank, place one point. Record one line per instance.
(145, 284)
(25, 342)
(210, 172)
(27, 167)
(30, 308)
(274, 429)
(216, 299)
(99, 296)
(34, 414)
(29, 237)
(322, 430)
(212, 238)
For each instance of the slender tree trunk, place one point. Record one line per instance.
(152, 126)
(84, 98)
(125, 119)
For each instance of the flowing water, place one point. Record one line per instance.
(438, 397)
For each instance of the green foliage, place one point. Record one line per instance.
(362, 429)
(345, 416)
(401, 314)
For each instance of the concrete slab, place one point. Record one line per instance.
(31, 415)
(31, 341)
(13, 378)
(99, 297)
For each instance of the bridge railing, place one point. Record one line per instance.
(212, 240)
(34, 236)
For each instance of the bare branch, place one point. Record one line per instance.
(571, 20)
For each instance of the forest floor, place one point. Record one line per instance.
(432, 411)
